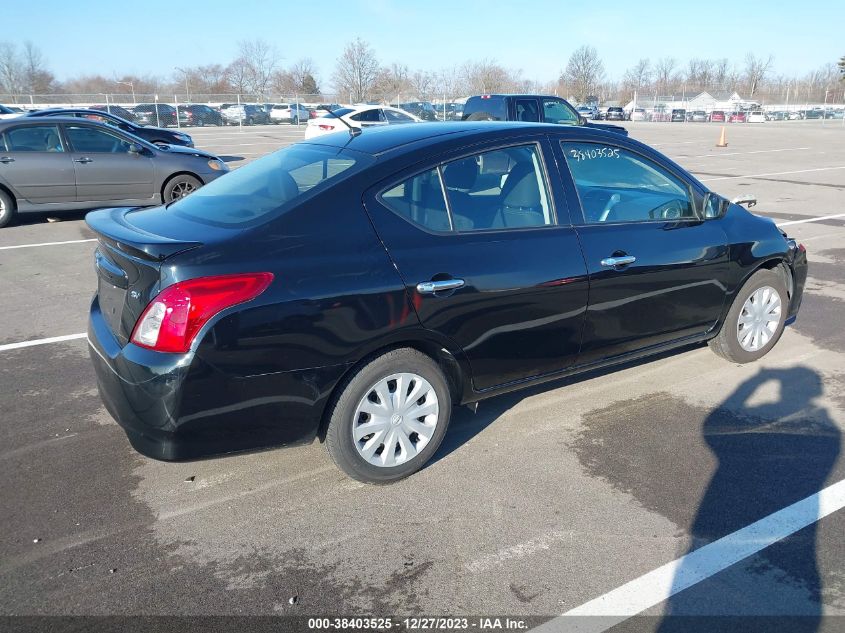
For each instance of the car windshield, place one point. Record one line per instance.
(270, 186)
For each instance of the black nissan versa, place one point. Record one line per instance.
(356, 287)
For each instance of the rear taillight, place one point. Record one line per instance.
(326, 127)
(172, 320)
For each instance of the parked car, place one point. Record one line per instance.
(812, 114)
(358, 117)
(158, 114)
(156, 135)
(717, 116)
(531, 108)
(776, 115)
(453, 111)
(8, 113)
(794, 115)
(200, 115)
(292, 113)
(423, 110)
(678, 115)
(249, 114)
(614, 114)
(120, 111)
(591, 113)
(756, 116)
(459, 261)
(698, 116)
(737, 117)
(70, 163)
(638, 114)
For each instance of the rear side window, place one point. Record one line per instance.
(501, 189)
(35, 138)
(617, 185)
(369, 116)
(270, 186)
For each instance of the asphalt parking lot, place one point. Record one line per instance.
(540, 502)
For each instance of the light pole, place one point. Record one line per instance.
(187, 92)
(131, 87)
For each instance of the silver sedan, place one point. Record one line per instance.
(66, 164)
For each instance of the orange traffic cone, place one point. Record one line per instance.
(722, 142)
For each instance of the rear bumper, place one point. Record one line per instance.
(176, 406)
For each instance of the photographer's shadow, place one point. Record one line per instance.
(770, 455)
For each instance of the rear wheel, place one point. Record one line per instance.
(7, 209)
(390, 417)
(180, 186)
(755, 321)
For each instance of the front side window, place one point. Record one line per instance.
(35, 138)
(501, 189)
(92, 140)
(557, 112)
(618, 185)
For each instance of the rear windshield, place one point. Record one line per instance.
(480, 108)
(270, 186)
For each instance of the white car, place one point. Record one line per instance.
(292, 113)
(9, 113)
(756, 116)
(637, 114)
(359, 116)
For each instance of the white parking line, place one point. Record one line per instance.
(664, 582)
(824, 217)
(757, 151)
(42, 341)
(6, 248)
(774, 173)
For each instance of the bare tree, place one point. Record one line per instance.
(756, 69)
(356, 71)
(721, 71)
(488, 76)
(303, 74)
(391, 82)
(584, 71)
(637, 76)
(259, 60)
(664, 73)
(11, 69)
(422, 83)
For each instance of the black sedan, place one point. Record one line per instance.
(356, 287)
(68, 163)
(156, 135)
(200, 115)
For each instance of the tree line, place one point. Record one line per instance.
(358, 75)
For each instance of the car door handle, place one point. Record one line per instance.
(6, 159)
(84, 159)
(430, 287)
(613, 262)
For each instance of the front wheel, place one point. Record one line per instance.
(756, 319)
(180, 186)
(390, 417)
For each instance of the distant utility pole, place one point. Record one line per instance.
(187, 91)
(131, 87)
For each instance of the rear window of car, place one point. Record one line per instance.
(494, 108)
(270, 186)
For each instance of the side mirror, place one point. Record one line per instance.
(714, 206)
(747, 199)
(134, 148)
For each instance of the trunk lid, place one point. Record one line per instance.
(128, 262)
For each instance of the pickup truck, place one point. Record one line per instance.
(535, 108)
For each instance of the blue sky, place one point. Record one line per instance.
(94, 36)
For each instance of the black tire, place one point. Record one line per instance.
(8, 209)
(341, 413)
(726, 344)
(174, 188)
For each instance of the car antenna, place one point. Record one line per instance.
(353, 131)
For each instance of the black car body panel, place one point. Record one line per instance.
(150, 134)
(536, 306)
